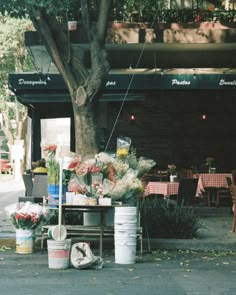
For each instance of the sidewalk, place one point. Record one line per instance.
(9, 184)
(216, 233)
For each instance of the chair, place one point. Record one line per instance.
(28, 182)
(186, 173)
(223, 192)
(233, 191)
(187, 191)
(39, 191)
(40, 187)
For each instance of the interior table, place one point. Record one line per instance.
(161, 188)
(165, 188)
(214, 180)
(210, 183)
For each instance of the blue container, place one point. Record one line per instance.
(53, 195)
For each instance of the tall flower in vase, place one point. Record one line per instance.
(53, 165)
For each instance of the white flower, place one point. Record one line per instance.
(104, 158)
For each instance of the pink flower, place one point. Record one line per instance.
(74, 164)
(94, 169)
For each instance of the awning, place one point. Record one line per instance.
(35, 87)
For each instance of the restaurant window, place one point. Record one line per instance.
(56, 131)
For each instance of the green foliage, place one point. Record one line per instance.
(13, 57)
(62, 10)
(165, 221)
(122, 10)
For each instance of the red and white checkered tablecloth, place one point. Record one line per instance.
(162, 188)
(217, 180)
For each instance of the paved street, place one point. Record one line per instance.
(166, 272)
(10, 190)
(177, 272)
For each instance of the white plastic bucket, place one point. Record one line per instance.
(92, 218)
(125, 214)
(24, 241)
(128, 224)
(57, 232)
(125, 250)
(125, 209)
(125, 234)
(59, 254)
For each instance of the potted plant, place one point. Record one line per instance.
(209, 162)
(172, 171)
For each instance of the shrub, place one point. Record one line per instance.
(162, 220)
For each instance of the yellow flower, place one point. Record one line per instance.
(122, 152)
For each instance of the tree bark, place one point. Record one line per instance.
(86, 130)
(83, 84)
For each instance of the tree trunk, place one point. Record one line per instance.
(86, 130)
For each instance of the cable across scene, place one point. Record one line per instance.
(127, 91)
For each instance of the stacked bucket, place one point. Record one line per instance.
(125, 223)
(58, 248)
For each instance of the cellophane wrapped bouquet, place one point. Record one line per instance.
(106, 175)
(26, 215)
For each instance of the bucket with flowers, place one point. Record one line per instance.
(26, 218)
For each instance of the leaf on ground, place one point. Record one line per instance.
(135, 278)
(208, 258)
(158, 259)
(225, 262)
(131, 269)
(7, 248)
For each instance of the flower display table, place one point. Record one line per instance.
(80, 230)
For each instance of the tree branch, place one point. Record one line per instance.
(103, 19)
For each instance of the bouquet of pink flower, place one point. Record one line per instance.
(26, 215)
(106, 175)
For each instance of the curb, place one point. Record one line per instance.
(195, 245)
(155, 244)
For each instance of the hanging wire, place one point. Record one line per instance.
(33, 60)
(127, 91)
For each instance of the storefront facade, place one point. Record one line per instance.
(179, 100)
